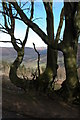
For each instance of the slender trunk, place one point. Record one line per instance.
(52, 60)
(37, 60)
(51, 54)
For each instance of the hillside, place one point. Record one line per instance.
(9, 54)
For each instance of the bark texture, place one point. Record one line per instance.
(70, 86)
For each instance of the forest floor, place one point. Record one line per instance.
(18, 104)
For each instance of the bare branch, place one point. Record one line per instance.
(10, 42)
(60, 25)
(49, 20)
(27, 30)
(38, 59)
(4, 31)
(37, 19)
(11, 18)
(4, 5)
(28, 22)
(6, 41)
(20, 3)
(2, 26)
(24, 4)
(26, 9)
(35, 27)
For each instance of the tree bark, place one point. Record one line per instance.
(51, 53)
(72, 82)
(52, 61)
(23, 83)
(13, 71)
(70, 86)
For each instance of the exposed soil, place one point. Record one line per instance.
(18, 104)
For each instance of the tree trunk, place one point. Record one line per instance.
(52, 60)
(13, 70)
(51, 54)
(70, 85)
(72, 82)
(19, 82)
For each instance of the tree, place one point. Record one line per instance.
(51, 54)
(69, 44)
(49, 38)
(70, 39)
(9, 28)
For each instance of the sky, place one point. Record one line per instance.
(39, 12)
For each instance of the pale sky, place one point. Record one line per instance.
(39, 12)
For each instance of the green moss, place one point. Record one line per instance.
(44, 80)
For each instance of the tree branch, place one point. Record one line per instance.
(6, 41)
(4, 5)
(60, 25)
(37, 19)
(11, 29)
(2, 27)
(12, 19)
(49, 20)
(24, 4)
(4, 31)
(28, 22)
(35, 27)
(27, 30)
(38, 59)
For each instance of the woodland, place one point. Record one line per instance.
(43, 83)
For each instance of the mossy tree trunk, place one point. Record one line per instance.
(51, 53)
(70, 86)
(72, 82)
(13, 70)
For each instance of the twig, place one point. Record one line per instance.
(24, 4)
(37, 18)
(6, 41)
(4, 31)
(38, 59)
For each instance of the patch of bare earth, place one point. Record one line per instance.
(18, 104)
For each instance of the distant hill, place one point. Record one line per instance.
(9, 54)
(30, 56)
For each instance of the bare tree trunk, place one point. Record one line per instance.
(23, 83)
(13, 71)
(72, 82)
(52, 60)
(70, 86)
(51, 54)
